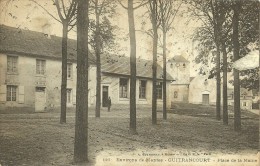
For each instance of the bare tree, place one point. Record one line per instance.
(67, 19)
(81, 124)
(131, 25)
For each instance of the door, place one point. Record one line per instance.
(40, 99)
(104, 96)
(205, 99)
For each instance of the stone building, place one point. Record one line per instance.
(179, 68)
(30, 73)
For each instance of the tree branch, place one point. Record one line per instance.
(141, 4)
(64, 9)
(46, 11)
(122, 4)
(59, 10)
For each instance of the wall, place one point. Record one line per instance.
(112, 81)
(182, 93)
(27, 81)
(245, 97)
(201, 85)
(180, 71)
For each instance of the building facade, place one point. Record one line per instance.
(202, 90)
(179, 68)
(30, 74)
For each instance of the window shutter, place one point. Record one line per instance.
(2, 93)
(74, 96)
(21, 94)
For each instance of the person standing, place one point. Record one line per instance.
(109, 103)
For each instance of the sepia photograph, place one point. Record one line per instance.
(129, 82)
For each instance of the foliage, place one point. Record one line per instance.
(248, 27)
(107, 34)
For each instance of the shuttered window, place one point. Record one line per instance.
(11, 94)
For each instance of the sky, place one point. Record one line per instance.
(27, 15)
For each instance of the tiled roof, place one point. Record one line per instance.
(121, 65)
(15, 40)
(178, 58)
(25, 42)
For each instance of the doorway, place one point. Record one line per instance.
(205, 99)
(40, 99)
(104, 96)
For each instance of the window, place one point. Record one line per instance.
(244, 104)
(11, 93)
(142, 89)
(123, 87)
(69, 70)
(40, 89)
(244, 95)
(12, 64)
(175, 94)
(184, 65)
(69, 96)
(159, 90)
(40, 66)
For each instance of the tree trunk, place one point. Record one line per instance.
(259, 58)
(225, 104)
(218, 97)
(63, 101)
(98, 62)
(164, 76)
(237, 113)
(81, 124)
(217, 30)
(132, 67)
(155, 43)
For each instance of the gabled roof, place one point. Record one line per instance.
(36, 44)
(19, 41)
(178, 58)
(121, 65)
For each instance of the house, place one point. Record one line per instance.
(203, 91)
(255, 103)
(116, 82)
(30, 73)
(246, 98)
(179, 68)
(30, 70)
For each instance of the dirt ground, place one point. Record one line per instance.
(39, 139)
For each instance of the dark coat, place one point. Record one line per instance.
(109, 103)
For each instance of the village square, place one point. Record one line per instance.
(192, 100)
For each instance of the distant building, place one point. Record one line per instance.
(246, 98)
(202, 90)
(30, 73)
(179, 68)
